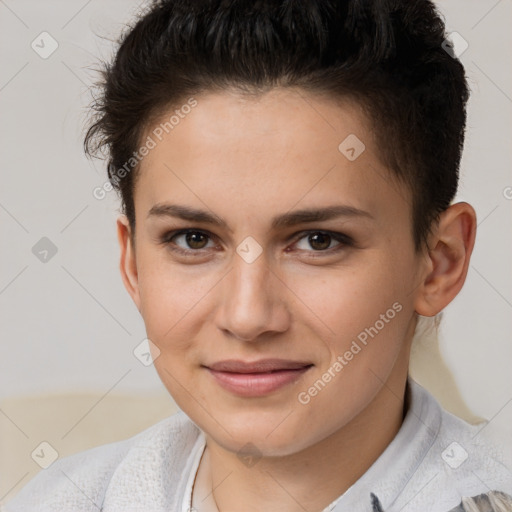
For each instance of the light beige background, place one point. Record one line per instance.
(68, 374)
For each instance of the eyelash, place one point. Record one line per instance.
(344, 241)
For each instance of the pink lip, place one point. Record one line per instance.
(251, 379)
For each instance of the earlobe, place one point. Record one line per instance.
(451, 247)
(127, 263)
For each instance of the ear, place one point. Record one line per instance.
(448, 259)
(127, 263)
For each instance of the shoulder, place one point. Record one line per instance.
(79, 482)
(463, 468)
(469, 457)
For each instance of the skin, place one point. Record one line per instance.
(247, 160)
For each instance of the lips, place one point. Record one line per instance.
(256, 378)
(261, 366)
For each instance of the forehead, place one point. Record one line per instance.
(273, 151)
(272, 123)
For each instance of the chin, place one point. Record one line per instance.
(267, 435)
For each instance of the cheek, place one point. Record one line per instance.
(170, 296)
(345, 301)
(362, 315)
(172, 300)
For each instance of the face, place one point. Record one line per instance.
(274, 267)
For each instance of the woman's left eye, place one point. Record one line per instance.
(321, 241)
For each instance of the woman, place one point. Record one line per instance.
(287, 171)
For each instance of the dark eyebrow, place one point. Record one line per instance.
(281, 221)
(317, 215)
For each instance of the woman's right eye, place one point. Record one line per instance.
(192, 241)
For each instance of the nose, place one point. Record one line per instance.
(253, 306)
